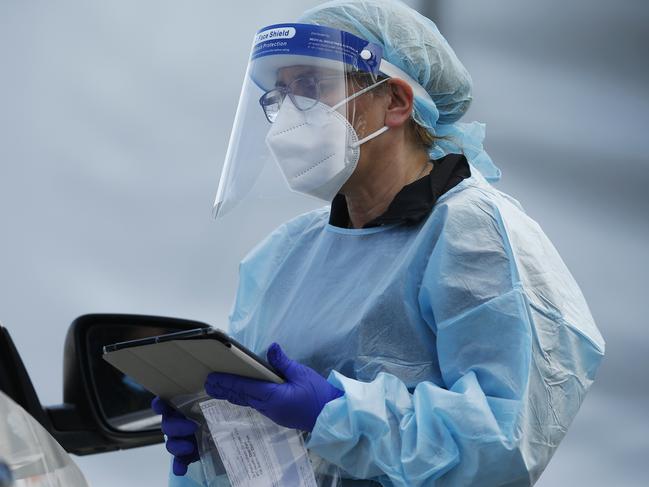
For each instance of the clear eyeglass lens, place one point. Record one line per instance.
(271, 103)
(271, 112)
(305, 92)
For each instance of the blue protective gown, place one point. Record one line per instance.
(463, 344)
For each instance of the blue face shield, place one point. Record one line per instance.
(296, 119)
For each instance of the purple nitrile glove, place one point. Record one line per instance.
(181, 442)
(294, 404)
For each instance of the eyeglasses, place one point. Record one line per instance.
(305, 93)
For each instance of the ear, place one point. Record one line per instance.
(400, 105)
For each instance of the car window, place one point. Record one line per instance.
(32, 454)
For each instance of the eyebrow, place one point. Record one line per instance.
(308, 71)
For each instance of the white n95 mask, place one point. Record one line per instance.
(317, 149)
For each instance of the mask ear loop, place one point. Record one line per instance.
(380, 131)
(353, 113)
(353, 117)
(369, 137)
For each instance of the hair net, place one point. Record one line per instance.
(413, 43)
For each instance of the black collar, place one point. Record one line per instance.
(415, 200)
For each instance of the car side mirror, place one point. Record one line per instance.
(102, 408)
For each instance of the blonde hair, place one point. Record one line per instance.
(421, 134)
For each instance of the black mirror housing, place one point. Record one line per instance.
(81, 424)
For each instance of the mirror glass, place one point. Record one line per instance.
(125, 404)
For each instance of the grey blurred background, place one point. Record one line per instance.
(114, 119)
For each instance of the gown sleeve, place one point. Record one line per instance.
(514, 368)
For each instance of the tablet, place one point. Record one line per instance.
(177, 364)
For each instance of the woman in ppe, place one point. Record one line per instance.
(456, 345)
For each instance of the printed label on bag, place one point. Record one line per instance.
(255, 451)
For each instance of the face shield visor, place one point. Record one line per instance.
(301, 119)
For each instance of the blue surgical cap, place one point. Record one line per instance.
(413, 43)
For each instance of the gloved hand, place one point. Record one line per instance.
(294, 404)
(181, 442)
